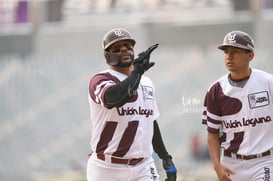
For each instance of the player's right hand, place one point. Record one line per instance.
(142, 62)
(224, 173)
(170, 169)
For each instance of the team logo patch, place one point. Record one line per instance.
(148, 92)
(258, 99)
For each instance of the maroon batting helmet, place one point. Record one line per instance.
(116, 35)
(238, 39)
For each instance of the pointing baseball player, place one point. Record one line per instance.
(238, 112)
(124, 130)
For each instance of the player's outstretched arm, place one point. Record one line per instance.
(120, 93)
(161, 150)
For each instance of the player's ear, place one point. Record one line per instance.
(251, 55)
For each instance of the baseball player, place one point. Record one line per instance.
(124, 130)
(238, 112)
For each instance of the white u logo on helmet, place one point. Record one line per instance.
(118, 32)
(231, 37)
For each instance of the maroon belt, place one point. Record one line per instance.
(132, 161)
(246, 157)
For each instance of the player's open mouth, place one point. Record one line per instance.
(125, 56)
(230, 63)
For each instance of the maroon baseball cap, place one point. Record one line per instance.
(238, 39)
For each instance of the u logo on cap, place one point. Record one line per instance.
(231, 37)
(118, 32)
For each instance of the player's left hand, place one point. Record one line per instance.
(142, 62)
(170, 169)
